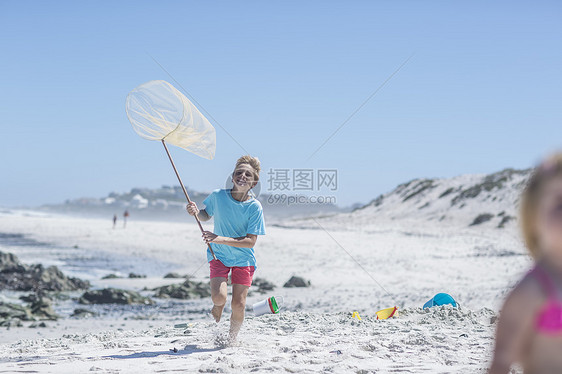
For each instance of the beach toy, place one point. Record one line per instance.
(387, 313)
(183, 325)
(158, 111)
(440, 299)
(268, 306)
(356, 315)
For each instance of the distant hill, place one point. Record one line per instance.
(467, 200)
(168, 202)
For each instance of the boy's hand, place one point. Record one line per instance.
(192, 208)
(209, 236)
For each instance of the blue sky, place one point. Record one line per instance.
(481, 92)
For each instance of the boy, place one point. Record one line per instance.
(238, 222)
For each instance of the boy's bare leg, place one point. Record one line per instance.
(218, 295)
(238, 304)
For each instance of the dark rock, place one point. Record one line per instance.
(485, 217)
(10, 323)
(133, 275)
(19, 277)
(35, 325)
(296, 282)
(83, 313)
(376, 202)
(447, 192)
(29, 298)
(175, 275)
(504, 221)
(111, 276)
(421, 186)
(40, 305)
(490, 182)
(42, 308)
(9, 311)
(113, 296)
(9, 263)
(185, 291)
(262, 286)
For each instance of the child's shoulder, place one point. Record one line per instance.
(255, 203)
(217, 191)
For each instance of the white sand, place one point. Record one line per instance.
(441, 340)
(412, 260)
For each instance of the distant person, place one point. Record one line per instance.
(125, 216)
(114, 220)
(530, 325)
(238, 220)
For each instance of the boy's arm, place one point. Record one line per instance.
(247, 241)
(203, 215)
(514, 326)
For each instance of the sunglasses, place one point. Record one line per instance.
(246, 173)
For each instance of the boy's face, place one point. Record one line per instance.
(549, 218)
(243, 177)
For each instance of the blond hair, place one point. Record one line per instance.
(551, 167)
(254, 163)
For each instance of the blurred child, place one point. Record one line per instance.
(530, 325)
(238, 220)
(125, 216)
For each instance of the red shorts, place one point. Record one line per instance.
(240, 274)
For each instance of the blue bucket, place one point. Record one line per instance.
(440, 299)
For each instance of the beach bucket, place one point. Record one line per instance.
(386, 313)
(440, 299)
(268, 306)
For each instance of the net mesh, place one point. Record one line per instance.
(157, 111)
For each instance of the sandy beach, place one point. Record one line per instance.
(394, 154)
(351, 267)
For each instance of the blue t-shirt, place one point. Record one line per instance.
(234, 219)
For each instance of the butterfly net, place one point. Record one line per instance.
(158, 111)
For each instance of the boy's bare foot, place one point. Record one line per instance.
(216, 312)
(234, 330)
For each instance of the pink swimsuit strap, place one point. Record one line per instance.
(549, 318)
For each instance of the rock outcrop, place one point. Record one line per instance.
(19, 277)
(185, 291)
(296, 282)
(113, 296)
